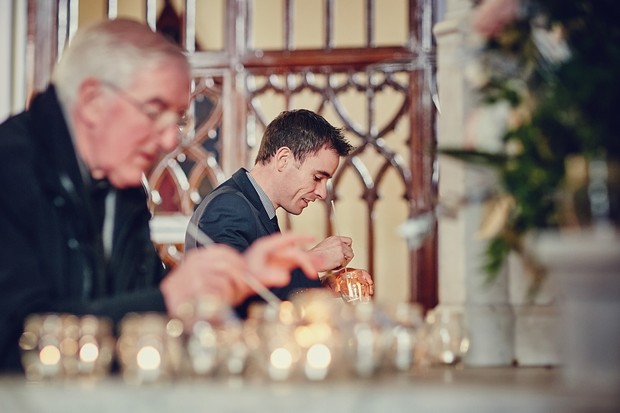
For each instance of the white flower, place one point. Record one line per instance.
(417, 228)
(514, 148)
(551, 44)
(476, 74)
(486, 127)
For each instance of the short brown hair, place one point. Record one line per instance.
(303, 132)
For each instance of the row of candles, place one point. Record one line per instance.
(312, 337)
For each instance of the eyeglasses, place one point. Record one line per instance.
(161, 119)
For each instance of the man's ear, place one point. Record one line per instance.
(90, 100)
(283, 157)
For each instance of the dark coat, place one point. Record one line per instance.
(233, 214)
(50, 248)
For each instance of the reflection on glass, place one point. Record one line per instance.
(147, 350)
(276, 353)
(404, 337)
(64, 345)
(365, 345)
(215, 344)
(352, 286)
(447, 341)
(318, 333)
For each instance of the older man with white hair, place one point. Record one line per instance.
(74, 223)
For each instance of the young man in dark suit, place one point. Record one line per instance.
(299, 153)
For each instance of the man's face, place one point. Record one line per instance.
(304, 183)
(137, 124)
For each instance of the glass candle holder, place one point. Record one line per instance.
(95, 346)
(447, 341)
(269, 332)
(66, 346)
(318, 333)
(364, 340)
(352, 286)
(149, 347)
(404, 335)
(215, 342)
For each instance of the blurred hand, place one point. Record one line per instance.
(219, 271)
(271, 259)
(215, 270)
(332, 252)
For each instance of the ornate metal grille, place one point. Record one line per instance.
(379, 89)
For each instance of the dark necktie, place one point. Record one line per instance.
(274, 222)
(98, 192)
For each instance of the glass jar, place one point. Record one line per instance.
(66, 346)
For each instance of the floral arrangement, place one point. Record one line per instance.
(548, 88)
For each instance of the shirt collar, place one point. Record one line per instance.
(263, 197)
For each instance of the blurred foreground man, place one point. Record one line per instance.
(74, 223)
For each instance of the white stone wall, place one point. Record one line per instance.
(502, 325)
(13, 41)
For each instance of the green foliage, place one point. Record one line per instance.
(498, 249)
(571, 107)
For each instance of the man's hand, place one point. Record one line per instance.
(332, 252)
(215, 270)
(271, 259)
(220, 271)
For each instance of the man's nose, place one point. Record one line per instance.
(321, 190)
(169, 138)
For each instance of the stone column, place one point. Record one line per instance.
(503, 324)
(13, 38)
(462, 281)
(5, 58)
(537, 319)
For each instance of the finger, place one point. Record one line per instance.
(369, 281)
(229, 280)
(348, 256)
(280, 240)
(348, 252)
(216, 285)
(220, 270)
(276, 271)
(371, 285)
(346, 241)
(223, 262)
(272, 277)
(294, 257)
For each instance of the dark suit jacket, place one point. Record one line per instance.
(233, 214)
(50, 248)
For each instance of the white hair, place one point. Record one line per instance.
(113, 51)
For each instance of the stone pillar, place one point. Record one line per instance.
(13, 39)
(504, 325)
(536, 318)
(5, 58)
(462, 281)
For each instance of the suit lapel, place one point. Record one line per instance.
(247, 189)
(63, 178)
